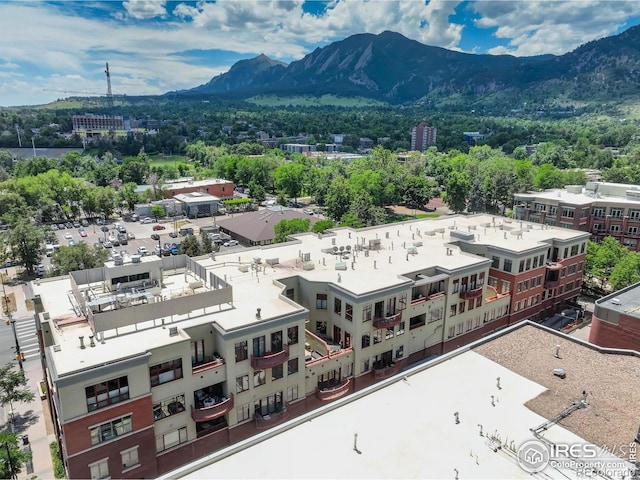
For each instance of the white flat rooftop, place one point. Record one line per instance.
(408, 430)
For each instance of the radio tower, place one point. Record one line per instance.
(110, 102)
(109, 92)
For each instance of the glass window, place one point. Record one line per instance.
(366, 340)
(168, 406)
(321, 301)
(171, 439)
(165, 372)
(107, 393)
(292, 366)
(337, 306)
(366, 313)
(130, 458)
(292, 335)
(100, 469)
(242, 383)
(259, 378)
(110, 430)
(400, 328)
(348, 313)
(243, 412)
(242, 351)
(507, 265)
(277, 372)
(292, 393)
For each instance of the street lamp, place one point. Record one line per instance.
(10, 460)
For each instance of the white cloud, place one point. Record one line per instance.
(144, 9)
(534, 28)
(149, 56)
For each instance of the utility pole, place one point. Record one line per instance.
(12, 322)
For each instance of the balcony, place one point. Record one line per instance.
(388, 321)
(270, 360)
(385, 370)
(217, 410)
(471, 293)
(557, 265)
(207, 363)
(433, 296)
(551, 284)
(266, 421)
(334, 392)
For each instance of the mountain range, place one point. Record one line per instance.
(394, 69)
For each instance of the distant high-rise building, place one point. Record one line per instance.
(422, 135)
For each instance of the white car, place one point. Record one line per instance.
(143, 251)
(147, 220)
(68, 236)
(231, 243)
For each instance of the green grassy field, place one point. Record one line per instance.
(160, 160)
(309, 101)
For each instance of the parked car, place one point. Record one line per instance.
(54, 227)
(174, 250)
(69, 225)
(122, 238)
(107, 245)
(155, 236)
(61, 226)
(84, 222)
(99, 221)
(122, 229)
(173, 234)
(159, 227)
(131, 236)
(231, 243)
(82, 232)
(142, 250)
(68, 236)
(186, 231)
(307, 211)
(146, 220)
(41, 271)
(158, 250)
(72, 243)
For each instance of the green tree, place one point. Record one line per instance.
(284, 228)
(26, 243)
(457, 186)
(289, 177)
(12, 457)
(79, 257)
(127, 195)
(338, 198)
(602, 258)
(322, 226)
(627, 272)
(206, 243)
(191, 246)
(157, 211)
(416, 192)
(257, 192)
(12, 389)
(548, 176)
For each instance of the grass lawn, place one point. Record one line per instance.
(159, 159)
(402, 218)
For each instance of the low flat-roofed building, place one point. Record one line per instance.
(466, 415)
(276, 331)
(616, 319)
(198, 204)
(217, 187)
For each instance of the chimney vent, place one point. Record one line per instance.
(91, 342)
(258, 315)
(82, 342)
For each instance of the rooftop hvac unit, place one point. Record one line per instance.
(308, 266)
(616, 301)
(273, 261)
(243, 268)
(135, 258)
(117, 260)
(173, 331)
(341, 266)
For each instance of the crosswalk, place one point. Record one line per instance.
(27, 337)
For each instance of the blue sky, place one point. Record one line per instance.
(54, 49)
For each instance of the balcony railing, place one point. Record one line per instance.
(208, 363)
(266, 421)
(388, 321)
(331, 393)
(269, 359)
(433, 296)
(385, 371)
(551, 284)
(216, 410)
(471, 293)
(557, 265)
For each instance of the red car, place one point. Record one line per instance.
(159, 227)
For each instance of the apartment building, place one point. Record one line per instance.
(153, 362)
(217, 187)
(422, 135)
(616, 319)
(603, 209)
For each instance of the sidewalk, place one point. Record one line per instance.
(32, 419)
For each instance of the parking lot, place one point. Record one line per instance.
(141, 231)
